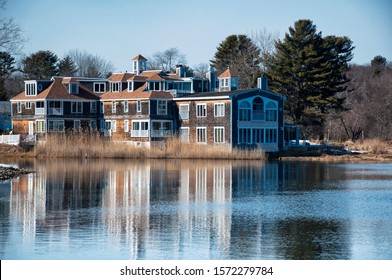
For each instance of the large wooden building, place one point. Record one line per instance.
(145, 106)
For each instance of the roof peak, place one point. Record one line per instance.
(139, 57)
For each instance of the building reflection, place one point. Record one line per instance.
(187, 209)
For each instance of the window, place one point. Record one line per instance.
(93, 125)
(138, 106)
(99, 87)
(161, 129)
(201, 110)
(201, 135)
(73, 88)
(139, 129)
(244, 136)
(134, 64)
(258, 135)
(56, 125)
(184, 134)
(28, 105)
(111, 125)
(19, 105)
(162, 107)
(271, 135)
(126, 107)
(76, 107)
(244, 111)
(126, 125)
(258, 109)
(184, 111)
(40, 108)
(115, 87)
(31, 89)
(271, 112)
(226, 82)
(219, 109)
(130, 86)
(113, 106)
(102, 107)
(55, 108)
(77, 125)
(93, 107)
(219, 135)
(40, 126)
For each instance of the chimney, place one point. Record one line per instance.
(211, 76)
(262, 83)
(180, 71)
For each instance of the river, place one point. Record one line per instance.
(202, 210)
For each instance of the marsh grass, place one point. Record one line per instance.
(95, 146)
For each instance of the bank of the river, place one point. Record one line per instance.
(8, 172)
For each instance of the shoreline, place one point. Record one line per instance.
(8, 172)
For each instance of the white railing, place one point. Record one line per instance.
(55, 111)
(10, 139)
(139, 133)
(40, 111)
(161, 133)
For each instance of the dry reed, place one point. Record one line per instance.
(95, 146)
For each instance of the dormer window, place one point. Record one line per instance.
(31, 88)
(99, 87)
(130, 86)
(115, 87)
(73, 88)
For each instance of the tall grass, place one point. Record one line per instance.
(95, 146)
(374, 146)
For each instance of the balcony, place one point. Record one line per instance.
(55, 111)
(139, 133)
(40, 111)
(161, 133)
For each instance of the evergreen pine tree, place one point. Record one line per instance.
(40, 65)
(6, 68)
(309, 70)
(67, 67)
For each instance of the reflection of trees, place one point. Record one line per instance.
(311, 240)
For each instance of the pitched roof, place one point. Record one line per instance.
(227, 74)
(137, 94)
(120, 77)
(58, 90)
(139, 57)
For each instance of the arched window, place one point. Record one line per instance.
(244, 111)
(271, 112)
(258, 109)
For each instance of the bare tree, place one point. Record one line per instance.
(265, 41)
(11, 39)
(89, 65)
(166, 60)
(200, 70)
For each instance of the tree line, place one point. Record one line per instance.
(326, 95)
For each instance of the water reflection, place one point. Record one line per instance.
(116, 209)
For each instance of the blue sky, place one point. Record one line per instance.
(118, 30)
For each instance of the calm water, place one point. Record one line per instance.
(114, 209)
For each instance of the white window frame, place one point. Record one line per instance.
(184, 111)
(40, 128)
(93, 106)
(77, 125)
(31, 88)
(203, 137)
(184, 134)
(138, 106)
(113, 106)
(161, 111)
(219, 135)
(126, 106)
(115, 87)
(28, 105)
(219, 109)
(130, 86)
(57, 122)
(201, 113)
(73, 88)
(99, 84)
(77, 107)
(126, 125)
(19, 107)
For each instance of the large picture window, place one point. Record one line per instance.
(76, 107)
